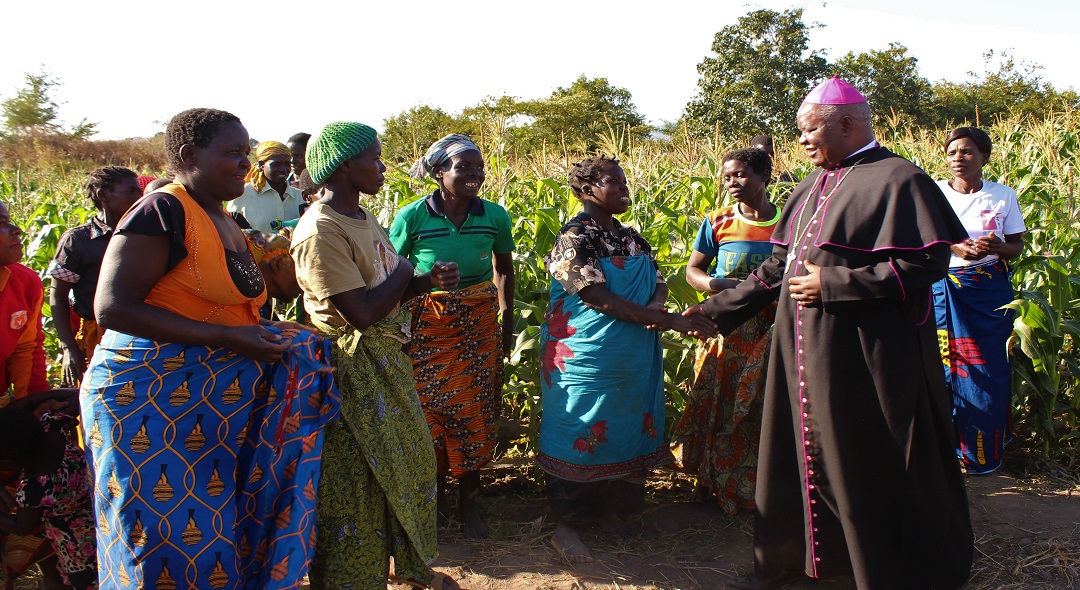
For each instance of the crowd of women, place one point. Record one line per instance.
(228, 449)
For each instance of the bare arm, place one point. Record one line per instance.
(504, 282)
(363, 307)
(598, 297)
(1007, 250)
(133, 264)
(74, 359)
(698, 277)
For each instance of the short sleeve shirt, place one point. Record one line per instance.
(78, 261)
(261, 208)
(334, 254)
(575, 259)
(422, 233)
(736, 244)
(992, 208)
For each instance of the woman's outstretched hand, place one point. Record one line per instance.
(256, 343)
(694, 322)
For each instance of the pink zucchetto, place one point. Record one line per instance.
(834, 91)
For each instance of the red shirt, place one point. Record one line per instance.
(22, 351)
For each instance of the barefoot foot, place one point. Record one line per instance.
(471, 522)
(567, 542)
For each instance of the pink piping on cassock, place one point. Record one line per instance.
(763, 283)
(903, 292)
(802, 424)
(929, 306)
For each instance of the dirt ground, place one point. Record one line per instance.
(1027, 537)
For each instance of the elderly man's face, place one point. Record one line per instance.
(823, 140)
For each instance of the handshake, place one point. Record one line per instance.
(692, 322)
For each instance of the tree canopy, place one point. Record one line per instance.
(33, 110)
(759, 74)
(891, 82)
(577, 117)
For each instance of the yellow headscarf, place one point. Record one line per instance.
(263, 152)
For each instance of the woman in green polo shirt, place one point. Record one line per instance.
(461, 336)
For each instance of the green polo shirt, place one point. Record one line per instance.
(422, 233)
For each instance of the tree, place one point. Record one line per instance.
(407, 136)
(579, 116)
(758, 77)
(1011, 88)
(32, 109)
(891, 82)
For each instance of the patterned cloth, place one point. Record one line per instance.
(441, 151)
(457, 358)
(165, 424)
(717, 436)
(377, 498)
(973, 334)
(64, 497)
(602, 381)
(282, 458)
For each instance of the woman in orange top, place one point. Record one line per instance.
(168, 395)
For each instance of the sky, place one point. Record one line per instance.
(284, 67)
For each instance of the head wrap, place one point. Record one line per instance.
(264, 151)
(336, 143)
(145, 180)
(834, 91)
(267, 246)
(440, 152)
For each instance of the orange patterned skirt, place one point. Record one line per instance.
(717, 437)
(457, 358)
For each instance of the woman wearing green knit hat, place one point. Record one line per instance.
(382, 503)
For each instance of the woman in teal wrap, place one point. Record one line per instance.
(377, 498)
(602, 429)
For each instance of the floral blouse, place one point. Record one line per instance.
(575, 259)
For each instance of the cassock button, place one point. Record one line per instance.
(817, 559)
(806, 429)
(802, 383)
(816, 543)
(805, 400)
(815, 529)
(812, 487)
(810, 471)
(805, 415)
(807, 443)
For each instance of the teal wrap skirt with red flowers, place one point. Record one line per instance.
(603, 383)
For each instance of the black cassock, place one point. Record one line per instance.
(858, 471)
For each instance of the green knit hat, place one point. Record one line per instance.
(336, 143)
